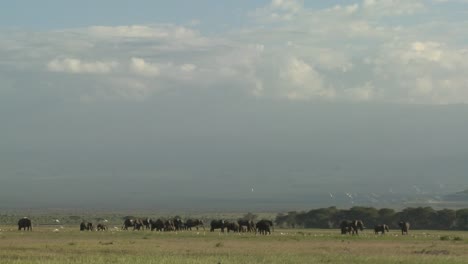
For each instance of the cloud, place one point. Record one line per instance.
(279, 10)
(392, 7)
(140, 66)
(71, 65)
(288, 50)
(303, 82)
(143, 31)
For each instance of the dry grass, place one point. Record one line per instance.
(68, 245)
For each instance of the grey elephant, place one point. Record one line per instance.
(246, 225)
(146, 223)
(169, 225)
(218, 224)
(264, 227)
(138, 224)
(179, 224)
(404, 226)
(128, 223)
(351, 227)
(381, 229)
(88, 226)
(157, 224)
(232, 226)
(194, 223)
(101, 227)
(25, 224)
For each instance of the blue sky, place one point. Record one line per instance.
(56, 14)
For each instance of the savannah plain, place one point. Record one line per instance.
(66, 244)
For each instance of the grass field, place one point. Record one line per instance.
(68, 245)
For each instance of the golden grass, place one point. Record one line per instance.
(69, 245)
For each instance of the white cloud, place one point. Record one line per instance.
(345, 9)
(71, 65)
(344, 52)
(392, 7)
(140, 66)
(430, 51)
(279, 10)
(303, 82)
(143, 31)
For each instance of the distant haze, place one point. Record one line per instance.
(167, 153)
(246, 105)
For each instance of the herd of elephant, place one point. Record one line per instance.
(353, 227)
(262, 227)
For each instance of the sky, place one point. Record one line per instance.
(114, 103)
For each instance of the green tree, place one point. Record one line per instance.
(461, 221)
(444, 219)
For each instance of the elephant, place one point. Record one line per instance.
(169, 225)
(25, 224)
(217, 224)
(138, 224)
(345, 227)
(146, 223)
(264, 227)
(86, 226)
(179, 224)
(404, 226)
(157, 224)
(381, 229)
(232, 226)
(101, 227)
(246, 225)
(128, 223)
(351, 227)
(194, 223)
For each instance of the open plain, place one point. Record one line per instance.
(66, 244)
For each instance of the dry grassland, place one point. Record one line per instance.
(68, 245)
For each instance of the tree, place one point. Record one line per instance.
(386, 216)
(444, 219)
(461, 219)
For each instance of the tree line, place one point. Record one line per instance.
(419, 217)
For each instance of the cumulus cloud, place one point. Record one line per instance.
(303, 82)
(140, 66)
(288, 50)
(71, 65)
